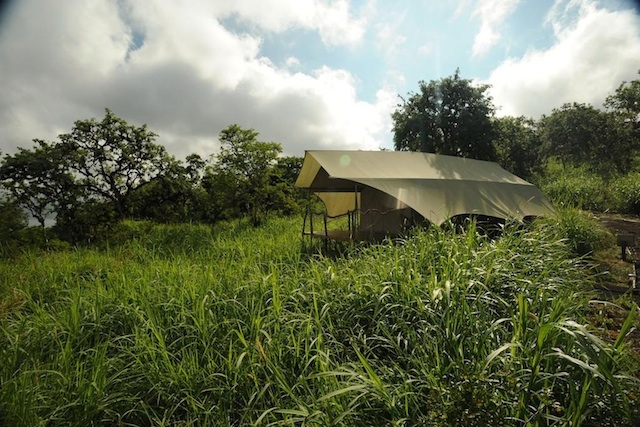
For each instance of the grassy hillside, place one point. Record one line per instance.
(230, 325)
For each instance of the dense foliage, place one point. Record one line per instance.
(234, 325)
(517, 144)
(449, 116)
(580, 134)
(105, 171)
(12, 218)
(582, 188)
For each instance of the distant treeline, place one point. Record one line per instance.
(105, 171)
(457, 117)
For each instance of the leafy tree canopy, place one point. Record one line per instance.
(625, 102)
(448, 116)
(39, 180)
(247, 162)
(88, 174)
(244, 156)
(12, 217)
(581, 134)
(112, 158)
(516, 144)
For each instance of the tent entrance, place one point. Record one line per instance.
(362, 214)
(340, 216)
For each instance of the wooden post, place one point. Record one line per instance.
(310, 219)
(624, 241)
(356, 217)
(304, 219)
(326, 233)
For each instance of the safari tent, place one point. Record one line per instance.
(381, 193)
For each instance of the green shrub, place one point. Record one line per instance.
(31, 239)
(128, 230)
(625, 193)
(574, 187)
(580, 230)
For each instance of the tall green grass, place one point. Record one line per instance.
(625, 191)
(578, 187)
(230, 325)
(580, 231)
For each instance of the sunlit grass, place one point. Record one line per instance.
(231, 325)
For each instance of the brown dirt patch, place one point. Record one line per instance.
(619, 224)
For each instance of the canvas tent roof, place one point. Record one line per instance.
(436, 186)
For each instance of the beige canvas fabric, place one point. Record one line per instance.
(436, 186)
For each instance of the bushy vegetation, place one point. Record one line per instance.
(582, 232)
(625, 191)
(578, 187)
(235, 325)
(103, 172)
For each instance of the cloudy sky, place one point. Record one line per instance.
(309, 74)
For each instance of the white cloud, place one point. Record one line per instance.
(389, 39)
(333, 19)
(189, 78)
(492, 14)
(592, 55)
(292, 62)
(427, 49)
(191, 36)
(462, 7)
(50, 52)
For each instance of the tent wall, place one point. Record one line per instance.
(383, 215)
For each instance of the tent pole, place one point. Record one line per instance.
(304, 219)
(310, 219)
(355, 214)
(326, 233)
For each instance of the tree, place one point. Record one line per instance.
(39, 180)
(517, 143)
(248, 162)
(581, 134)
(195, 167)
(111, 159)
(224, 198)
(449, 116)
(12, 217)
(285, 197)
(288, 168)
(174, 196)
(85, 178)
(625, 103)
